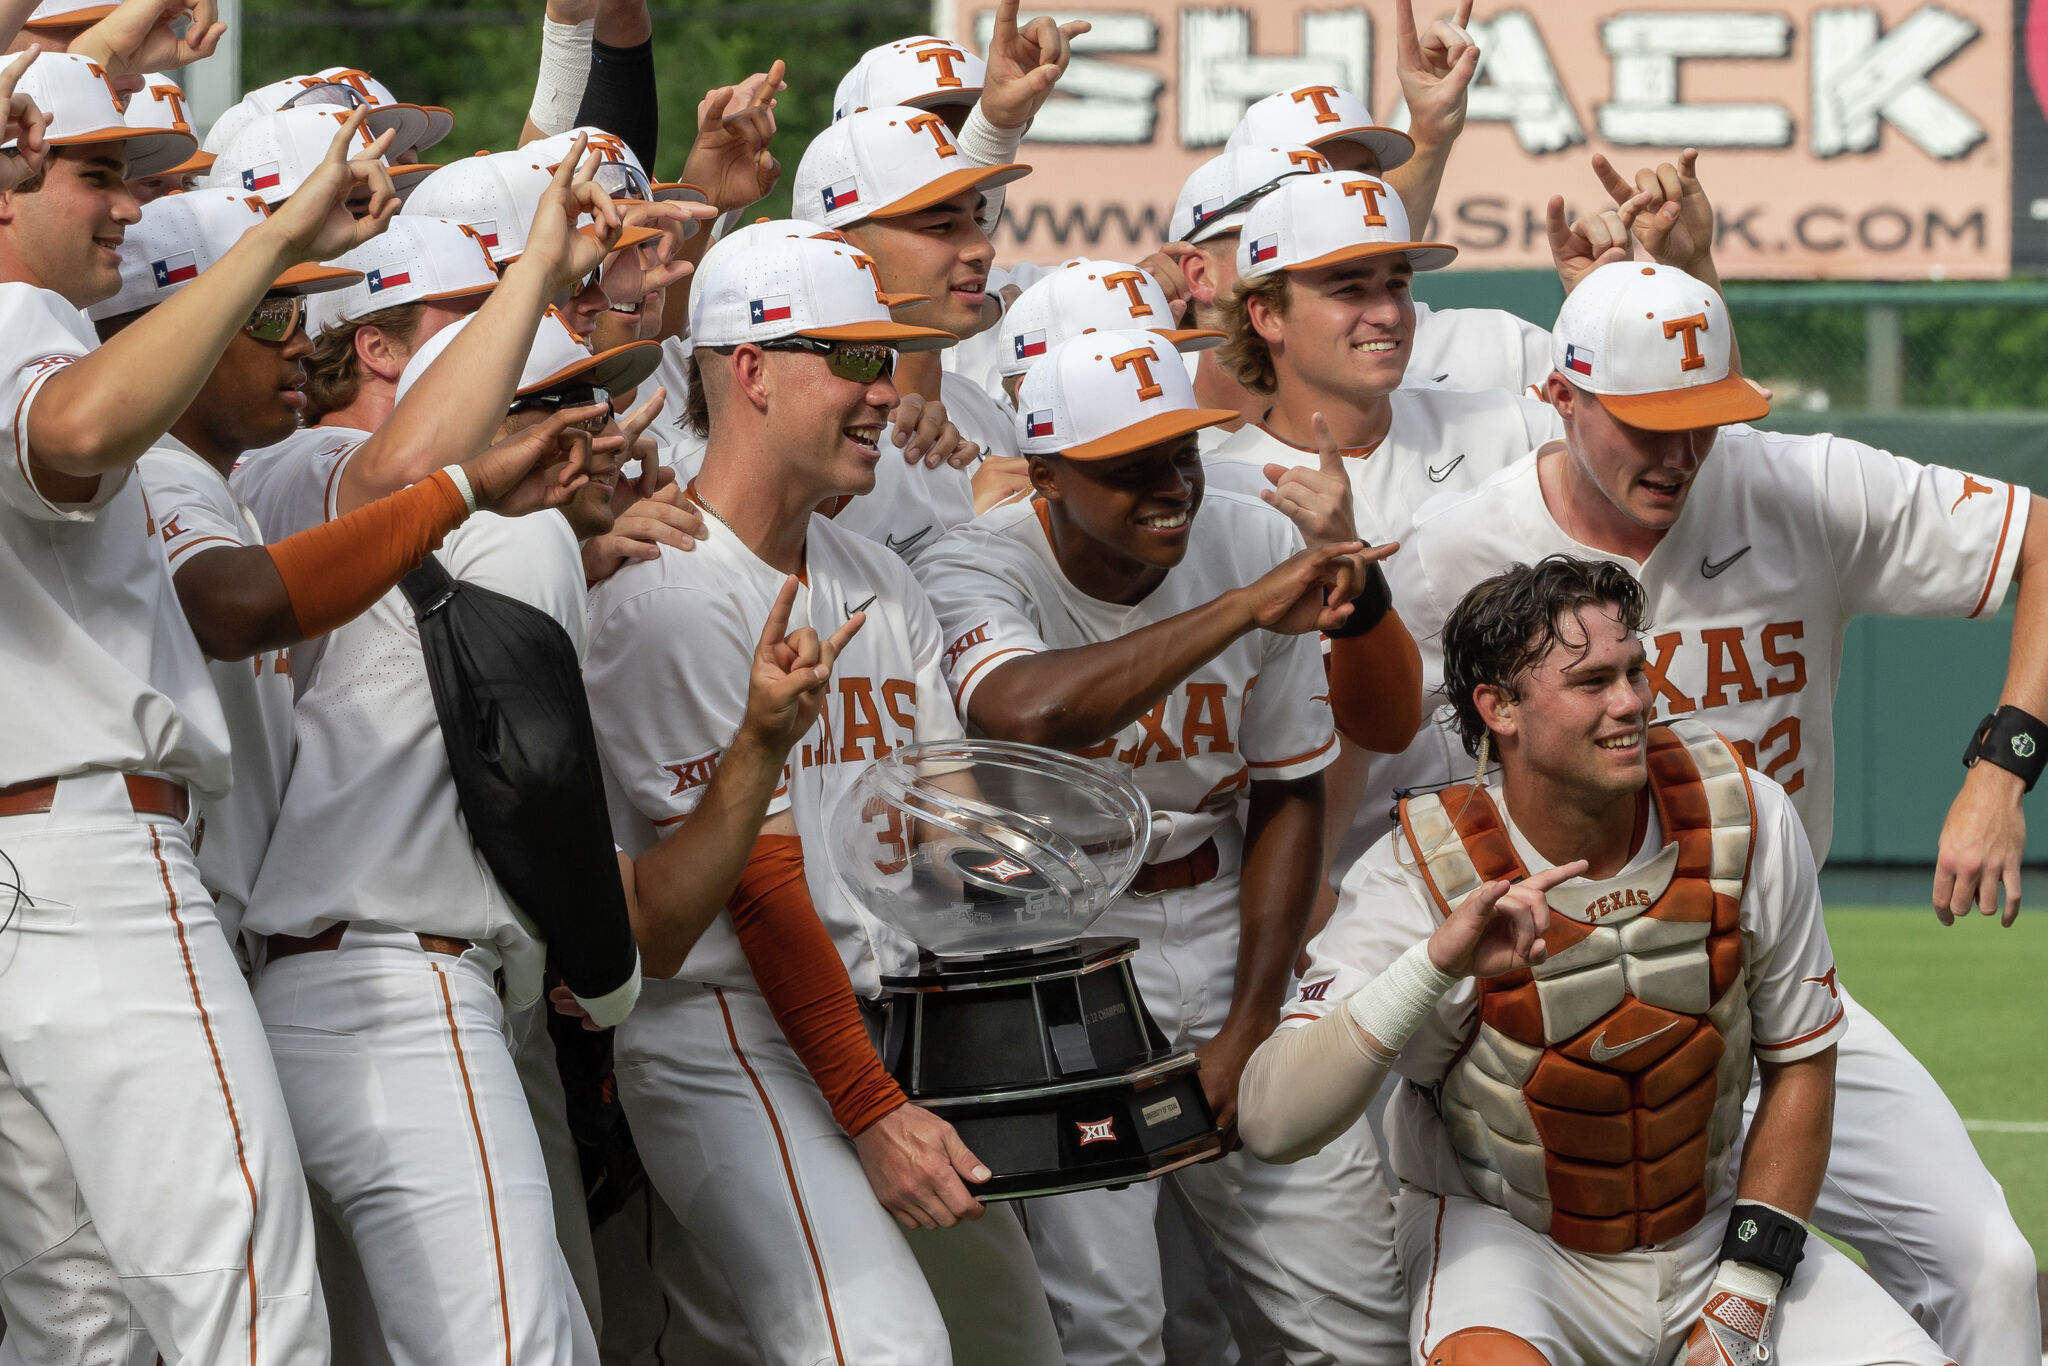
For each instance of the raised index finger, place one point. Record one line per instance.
(1618, 189)
(1407, 43)
(1006, 20)
(776, 630)
(1329, 458)
(1550, 877)
(345, 136)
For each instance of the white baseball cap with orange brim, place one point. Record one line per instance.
(275, 154)
(1315, 221)
(161, 104)
(556, 358)
(1105, 394)
(496, 195)
(923, 72)
(413, 261)
(1314, 116)
(887, 162)
(52, 14)
(619, 173)
(1084, 295)
(1216, 197)
(440, 121)
(407, 123)
(1655, 346)
(769, 287)
(180, 235)
(74, 94)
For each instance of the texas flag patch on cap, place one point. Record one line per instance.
(1206, 211)
(262, 177)
(1029, 344)
(1265, 248)
(486, 230)
(772, 310)
(1039, 423)
(839, 196)
(1578, 360)
(175, 270)
(380, 281)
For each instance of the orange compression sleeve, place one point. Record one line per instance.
(800, 973)
(1376, 686)
(334, 572)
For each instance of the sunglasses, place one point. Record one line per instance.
(621, 181)
(332, 92)
(1249, 197)
(860, 362)
(276, 319)
(569, 396)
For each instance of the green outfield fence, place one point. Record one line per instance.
(1955, 373)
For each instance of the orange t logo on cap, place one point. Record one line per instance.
(1370, 193)
(96, 69)
(354, 79)
(1310, 161)
(936, 126)
(1691, 327)
(606, 146)
(867, 263)
(1320, 96)
(169, 93)
(1140, 361)
(1128, 281)
(945, 57)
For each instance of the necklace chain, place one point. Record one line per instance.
(698, 498)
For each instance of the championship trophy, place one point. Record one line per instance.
(1026, 1036)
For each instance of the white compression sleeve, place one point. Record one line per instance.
(987, 145)
(564, 70)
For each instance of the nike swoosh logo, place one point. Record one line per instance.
(862, 608)
(1439, 474)
(903, 546)
(1441, 378)
(1711, 569)
(1602, 1052)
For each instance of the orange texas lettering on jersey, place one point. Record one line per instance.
(1740, 666)
(862, 720)
(1202, 713)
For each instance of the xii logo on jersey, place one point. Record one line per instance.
(691, 774)
(1096, 1130)
(1316, 991)
(978, 636)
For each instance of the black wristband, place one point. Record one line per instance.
(620, 97)
(1371, 605)
(2014, 741)
(1760, 1236)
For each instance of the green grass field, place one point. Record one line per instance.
(1967, 999)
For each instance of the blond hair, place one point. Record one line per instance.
(334, 375)
(1246, 355)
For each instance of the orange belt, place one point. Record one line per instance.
(329, 939)
(1189, 870)
(149, 796)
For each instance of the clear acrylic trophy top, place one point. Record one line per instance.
(975, 847)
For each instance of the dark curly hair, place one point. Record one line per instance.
(1507, 623)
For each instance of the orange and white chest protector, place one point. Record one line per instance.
(1600, 1094)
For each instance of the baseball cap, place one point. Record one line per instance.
(1216, 197)
(74, 93)
(1105, 394)
(440, 121)
(1312, 221)
(924, 72)
(413, 261)
(1082, 296)
(65, 14)
(620, 174)
(180, 235)
(496, 195)
(161, 104)
(886, 162)
(556, 358)
(274, 154)
(765, 287)
(407, 123)
(1653, 345)
(1312, 115)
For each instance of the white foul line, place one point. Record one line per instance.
(2006, 1126)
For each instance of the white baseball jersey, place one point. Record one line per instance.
(1784, 540)
(682, 450)
(103, 671)
(371, 829)
(672, 641)
(1439, 440)
(195, 512)
(1385, 907)
(1477, 348)
(1000, 593)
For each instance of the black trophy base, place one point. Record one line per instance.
(1049, 1066)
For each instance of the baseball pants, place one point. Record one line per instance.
(398, 1068)
(125, 1024)
(1310, 1244)
(1473, 1266)
(742, 1146)
(533, 1051)
(1906, 1188)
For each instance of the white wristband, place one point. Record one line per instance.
(984, 143)
(564, 71)
(462, 485)
(1391, 1005)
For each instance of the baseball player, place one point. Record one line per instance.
(1755, 551)
(137, 1082)
(757, 1099)
(1568, 1141)
(1123, 613)
(1084, 295)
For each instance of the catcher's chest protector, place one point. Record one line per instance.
(1598, 1097)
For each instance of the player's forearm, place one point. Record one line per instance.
(1305, 1087)
(453, 410)
(1071, 699)
(105, 409)
(1376, 686)
(1283, 865)
(685, 881)
(2026, 668)
(1786, 1152)
(1418, 179)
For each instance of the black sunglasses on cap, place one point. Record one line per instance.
(568, 396)
(859, 362)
